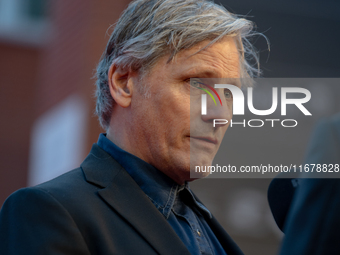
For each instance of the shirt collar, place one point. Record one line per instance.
(160, 188)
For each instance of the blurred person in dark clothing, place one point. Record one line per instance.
(313, 222)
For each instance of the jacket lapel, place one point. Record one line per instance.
(225, 240)
(123, 194)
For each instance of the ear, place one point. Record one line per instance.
(120, 84)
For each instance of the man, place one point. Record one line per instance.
(131, 194)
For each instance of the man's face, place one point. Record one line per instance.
(161, 123)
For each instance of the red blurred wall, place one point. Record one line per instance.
(33, 79)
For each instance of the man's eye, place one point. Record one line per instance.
(196, 83)
(228, 94)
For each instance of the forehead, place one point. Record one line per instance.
(219, 60)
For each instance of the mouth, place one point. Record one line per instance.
(205, 139)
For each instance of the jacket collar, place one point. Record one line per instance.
(123, 194)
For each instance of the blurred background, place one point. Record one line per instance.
(49, 50)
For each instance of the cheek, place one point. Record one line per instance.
(177, 124)
(166, 113)
(230, 109)
(175, 109)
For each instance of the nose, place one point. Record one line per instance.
(216, 111)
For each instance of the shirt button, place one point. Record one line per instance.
(198, 232)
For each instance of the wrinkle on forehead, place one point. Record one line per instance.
(221, 58)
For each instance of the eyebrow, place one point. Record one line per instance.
(210, 73)
(232, 81)
(202, 74)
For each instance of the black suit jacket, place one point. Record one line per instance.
(95, 209)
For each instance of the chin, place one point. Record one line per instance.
(183, 166)
(201, 158)
(198, 166)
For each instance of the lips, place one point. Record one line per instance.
(205, 139)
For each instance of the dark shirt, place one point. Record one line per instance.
(176, 202)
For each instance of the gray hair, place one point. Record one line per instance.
(150, 29)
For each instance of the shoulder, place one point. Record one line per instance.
(76, 189)
(65, 184)
(35, 220)
(49, 194)
(69, 193)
